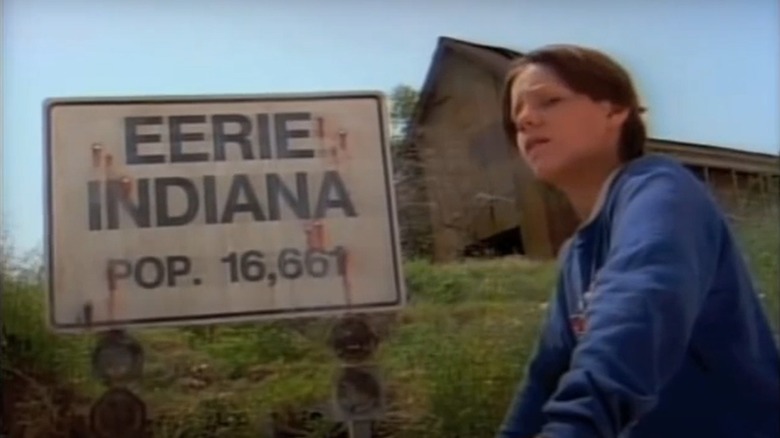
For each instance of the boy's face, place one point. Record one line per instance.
(559, 132)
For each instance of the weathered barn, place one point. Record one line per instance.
(478, 195)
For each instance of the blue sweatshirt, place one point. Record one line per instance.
(656, 328)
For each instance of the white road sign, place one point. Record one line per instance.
(186, 210)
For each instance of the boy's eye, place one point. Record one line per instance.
(552, 101)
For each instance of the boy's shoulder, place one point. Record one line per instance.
(654, 165)
(661, 182)
(659, 174)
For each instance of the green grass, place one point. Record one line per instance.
(450, 361)
(761, 242)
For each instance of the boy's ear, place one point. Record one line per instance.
(617, 114)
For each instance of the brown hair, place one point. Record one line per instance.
(589, 72)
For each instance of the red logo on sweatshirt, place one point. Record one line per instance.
(578, 321)
(578, 324)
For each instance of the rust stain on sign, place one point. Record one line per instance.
(127, 186)
(315, 235)
(344, 263)
(340, 151)
(333, 147)
(342, 140)
(320, 127)
(108, 163)
(86, 313)
(112, 289)
(97, 153)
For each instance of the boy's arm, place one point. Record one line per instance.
(664, 249)
(524, 419)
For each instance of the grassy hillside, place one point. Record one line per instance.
(450, 361)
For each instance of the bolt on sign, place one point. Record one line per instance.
(187, 210)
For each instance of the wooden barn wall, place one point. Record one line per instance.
(472, 179)
(742, 193)
(750, 190)
(745, 184)
(723, 186)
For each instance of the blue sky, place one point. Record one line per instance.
(708, 70)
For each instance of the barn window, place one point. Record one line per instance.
(504, 243)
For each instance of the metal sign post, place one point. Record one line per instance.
(117, 360)
(359, 429)
(358, 393)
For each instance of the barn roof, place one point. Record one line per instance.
(495, 59)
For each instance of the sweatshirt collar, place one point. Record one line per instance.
(601, 198)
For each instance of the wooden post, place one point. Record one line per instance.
(737, 205)
(766, 198)
(359, 429)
